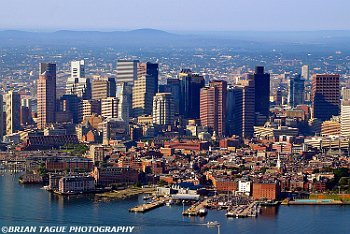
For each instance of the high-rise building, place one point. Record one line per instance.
(46, 94)
(325, 96)
(190, 86)
(1, 117)
(71, 103)
(103, 88)
(305, 72)
(109, 107)
(124, 96)
(127, 71)
(173, 87)
(262, 91)
(296, 91)
(90, 107)
(145, 87)
(77, 84)
(213, 106)
(13, 110)
(345, 118)
(244, 108)
(163, 109)
(345, 93)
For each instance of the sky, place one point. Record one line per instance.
(175, 15)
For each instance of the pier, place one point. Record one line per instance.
(198, 209)
(149, 206)
(242, 211)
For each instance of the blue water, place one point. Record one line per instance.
(29, 205)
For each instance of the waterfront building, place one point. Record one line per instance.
(163, 109)
(266, 190)
(325, 96)
(107, 176)
(262, 91)
(46, 94)
(127, 71)
(213, 106)
(13, 110)
(76, 184)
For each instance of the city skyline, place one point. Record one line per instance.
(225, 15)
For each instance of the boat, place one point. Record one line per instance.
(213, 223)
(169, 203)
(202, 212)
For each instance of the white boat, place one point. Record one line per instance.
(212, 223)
(170, 202)
(202, 212)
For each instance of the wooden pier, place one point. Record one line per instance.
(149, 206)
(242, 211)
(198, 209)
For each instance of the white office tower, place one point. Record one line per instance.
(77, 83)
(305, 72)
(345, 118)
(124, 102)
(127, 71)
(163, 109)
(109, 107)
(13, 109)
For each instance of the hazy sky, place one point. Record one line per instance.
(176, 15)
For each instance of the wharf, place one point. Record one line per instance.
(149, 206)
(198, 209)
(315, 202)
(242, 211)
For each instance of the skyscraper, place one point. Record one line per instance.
(145, 87)
(163, 109)
(190, 86)
(103, 88)
(244, 108)
(13, 110)
(71, 103)
(127, 71)
(46, 94)
(213, 106)
(296, 91)
(77, 83)
(109, 107)
(305, 72)
(124, 96)
(1, 117)
(345, 118)
(325, 96)
(262, 91)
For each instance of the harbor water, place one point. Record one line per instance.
(30, 205)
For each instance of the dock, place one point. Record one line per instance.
(149, 206)
(198, 209)
(242, 211)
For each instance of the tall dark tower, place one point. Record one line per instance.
(325, 96)
(262, 91)
(190, 86)
(46, 94)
